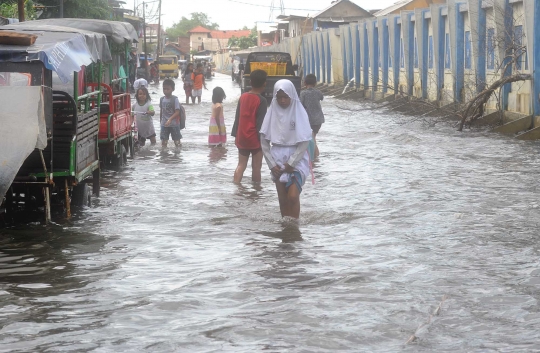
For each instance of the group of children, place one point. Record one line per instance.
(193, 83)
(281, 132)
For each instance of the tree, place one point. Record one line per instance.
(181, 28)
(96, 9)
(245, 41)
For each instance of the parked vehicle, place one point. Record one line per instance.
(238, 66)
(277, 65)
(168, 66)
(51, 154)
(116, 136)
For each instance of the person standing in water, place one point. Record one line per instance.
(144, 111)
(188, 83)
(285, 136)
(217, 134)
(311, 100)
(250, 113)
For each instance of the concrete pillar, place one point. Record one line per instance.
(504, 18)
(373, 43)
(319, 56)
(309, 54)
(329, 63)
(477, 19)
(437, 23)
(384, 45)
(422, 43)
(343, 42)
(322, 49)
(364, 53)
(313, 48)
(532, 24)
(350, 52)
(457, 47)
(304, 55)
(407, 29)
(394, 32)
(356, 54)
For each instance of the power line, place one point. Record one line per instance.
(267, 6)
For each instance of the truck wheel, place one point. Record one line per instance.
(81, 195)
(121, 159)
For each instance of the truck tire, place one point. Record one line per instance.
(120, 160)
(81, 195)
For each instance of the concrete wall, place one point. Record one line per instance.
(459, 50)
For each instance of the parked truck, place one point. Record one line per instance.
(277, 65)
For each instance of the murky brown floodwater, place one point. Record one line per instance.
(174, 257)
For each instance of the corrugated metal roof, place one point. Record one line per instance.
(392, 8)
(335, 4)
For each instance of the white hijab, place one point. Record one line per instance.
(286, 126)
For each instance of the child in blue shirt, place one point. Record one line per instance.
(172, 115)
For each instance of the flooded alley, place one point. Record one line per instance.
(413, 238)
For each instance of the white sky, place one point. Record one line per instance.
(232, 14)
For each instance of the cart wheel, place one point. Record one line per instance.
(120, 160)
(131, 143)
(124, 155)
(81, 195)
(95, 182)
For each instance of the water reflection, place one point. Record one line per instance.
(290, 233)
(217, 154)
(252, 191)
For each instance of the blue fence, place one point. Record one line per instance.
(444, 53)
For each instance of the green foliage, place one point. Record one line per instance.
(96, 9)
(181, 28)
(244, 42)
(8, 8)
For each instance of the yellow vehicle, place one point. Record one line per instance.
(168, 66)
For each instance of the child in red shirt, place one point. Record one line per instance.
(250, 113)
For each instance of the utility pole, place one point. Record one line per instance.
(144, 39)
(159, 34)
(20, 7)
(61, 8)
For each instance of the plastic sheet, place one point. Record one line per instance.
(96, 42)
(23, 129)
(117, 31)
(62, 52)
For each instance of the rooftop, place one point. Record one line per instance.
(199, 29)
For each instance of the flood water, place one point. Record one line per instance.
(404, 220)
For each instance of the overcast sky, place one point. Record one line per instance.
(235, 14)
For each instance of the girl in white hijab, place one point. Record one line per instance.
(286, 127)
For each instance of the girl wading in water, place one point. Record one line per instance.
(286, 127)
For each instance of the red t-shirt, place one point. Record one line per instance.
(247, 136)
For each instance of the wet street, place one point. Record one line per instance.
(414, 238)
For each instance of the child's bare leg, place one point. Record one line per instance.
(241, 168)
(199, 100)
(293, 201)
(152, 141)
(282, 198)
(187, 99)
(316, 147)
(177, 143)
(256, 165)
(192, 99)
(164, 143)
